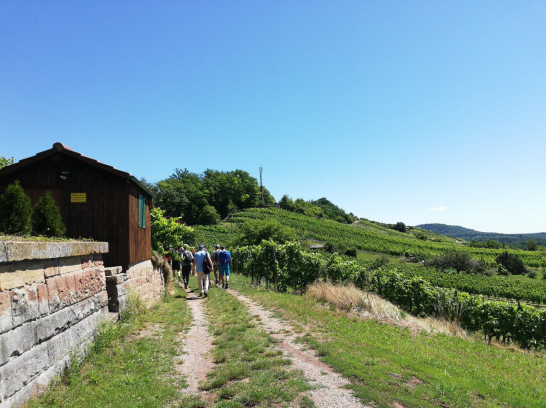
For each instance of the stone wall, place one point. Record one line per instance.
(52, 297)
(141, 278)
(147, 280)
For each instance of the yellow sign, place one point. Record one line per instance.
(78, 197)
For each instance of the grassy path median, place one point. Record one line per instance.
(130, 365)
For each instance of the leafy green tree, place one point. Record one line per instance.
(306, 208)
(458, 260)
(511, 262)
(209, 216)
(15, 210)
(189, 195)
(400, 226)
(5, 161)
(46, 218)
(254, 231)
(286, 203)
(532, 245)
(169, 232)
(333, 212)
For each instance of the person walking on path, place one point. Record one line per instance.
(216, 263)
(199, 258)
(175, 263)
(187, 261)
(226, 263)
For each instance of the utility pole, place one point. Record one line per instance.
(261, 186)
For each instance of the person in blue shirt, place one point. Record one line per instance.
(226, 262)
(202, 277)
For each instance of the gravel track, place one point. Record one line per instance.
(196, 344)
(328, 386)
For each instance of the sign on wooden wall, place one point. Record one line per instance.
(78, 197)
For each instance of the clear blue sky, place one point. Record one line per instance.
(413, 111)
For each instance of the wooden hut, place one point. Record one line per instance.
(96, 200)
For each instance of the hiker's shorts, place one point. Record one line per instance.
(224, 270)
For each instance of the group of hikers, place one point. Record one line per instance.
(201, 263)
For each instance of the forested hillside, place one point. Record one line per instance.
(513, 240)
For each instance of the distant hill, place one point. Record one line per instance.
(512, 240)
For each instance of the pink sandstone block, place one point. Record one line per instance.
(43, 300)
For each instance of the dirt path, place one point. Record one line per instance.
(329, 387)
(196, 344)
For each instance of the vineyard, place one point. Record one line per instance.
(376, 239)
(371, 237)
(288, 266)
(419, 289)
(529, 290)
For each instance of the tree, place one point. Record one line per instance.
(286, 203)
(188, 195)
(399, 226)
(458, 260)
(254, 231)
(532, 245)
(5, 161)
(306, 208)
(15, 210)
(46, 218)
(209, 216)
(511, 262)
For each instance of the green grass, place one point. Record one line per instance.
(124, 370)
(388, 364)
(249, 371)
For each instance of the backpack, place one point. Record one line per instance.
(207, 264)
(187, 257)
(224, 257)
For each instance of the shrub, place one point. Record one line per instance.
(15, 210)
(46, 218)
(379, 262)
(168, 232)
(351, 252)
(399, 226)
(479, 266)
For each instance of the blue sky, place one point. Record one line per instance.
(412, 111)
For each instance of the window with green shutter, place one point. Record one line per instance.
(141, 211)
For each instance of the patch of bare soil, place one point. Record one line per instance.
(328, 386)
(150, 330)
(196, 346)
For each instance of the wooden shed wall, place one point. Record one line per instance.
(106, 214)
(140, 241)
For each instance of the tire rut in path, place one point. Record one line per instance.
(196, 345)
(328, 386)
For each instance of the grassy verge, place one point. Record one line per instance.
(389, 365)
(249, 371)
(130, 365)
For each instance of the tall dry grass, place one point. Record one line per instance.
(369, 305)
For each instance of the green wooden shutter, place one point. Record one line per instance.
(141, 211)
